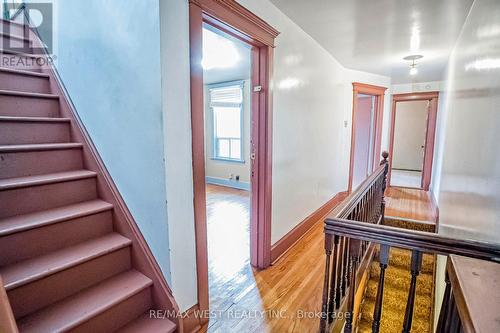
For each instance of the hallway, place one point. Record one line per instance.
(287, 295)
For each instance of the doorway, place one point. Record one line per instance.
(413, 124)
(236, 22)
(368, 104)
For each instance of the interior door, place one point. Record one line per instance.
(362, 142)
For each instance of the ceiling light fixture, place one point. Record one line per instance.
(413, 66)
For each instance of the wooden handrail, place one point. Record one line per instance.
(347, 205)
(7, 320)
(412, 239)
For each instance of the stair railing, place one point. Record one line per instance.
(353, 230)
(346, 257)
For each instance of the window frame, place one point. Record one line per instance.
(241, 84)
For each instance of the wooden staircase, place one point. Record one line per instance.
(72, 257)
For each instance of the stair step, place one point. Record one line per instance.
(35, 159)
(24, 72)
(20, 196)
(24, 81)
(13, 42)
(22, 130)
(39, 219)
(146, 324)
(20, 182)
(22, 61)
(399, 278)
(19, 103)
(28, 94)
(87, 305)
(423, 303)
(30, 270)
(39, 147)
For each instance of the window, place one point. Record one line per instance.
(226, 105)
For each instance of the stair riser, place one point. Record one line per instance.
(21, 62)
(40, 293)
(20, 164)
(9, 43)
(21, 82)
(36, 198)
(12, 133)
(119, 315)
(13, 29)
(36, 242)
(21, 106)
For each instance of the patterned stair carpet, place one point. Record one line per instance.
(396, 288)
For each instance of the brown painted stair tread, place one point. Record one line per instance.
(146, 324)
(46, 217)
(36, 268)
(23, 72)
(11, 183)
(39, 147)
(85, 305)
(35, 119)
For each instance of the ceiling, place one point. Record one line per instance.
(225, 58)
(375, 35)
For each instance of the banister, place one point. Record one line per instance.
(7, 320)
(346, 206)
(412, 239)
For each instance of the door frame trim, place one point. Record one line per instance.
(430, 135)
(379, 92)
(234, 19)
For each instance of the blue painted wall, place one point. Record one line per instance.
(108, 55)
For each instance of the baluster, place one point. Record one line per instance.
(377, 313)
(324, 307)
(340, 290)
(346, 262)
(416, 266)
(384, 184)
(443, 314)
(353, 265)
(333, 280)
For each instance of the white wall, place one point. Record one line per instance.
(223, 169)
(410, 127)
(468, 180)
(111, 70)
(312, 98)
(178, 155)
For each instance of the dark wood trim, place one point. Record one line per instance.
(432, 97)
(378, 92)
(412, 239)
(191, 320)
(293, 236)
(236, 20)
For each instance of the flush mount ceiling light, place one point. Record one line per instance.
(413, 66)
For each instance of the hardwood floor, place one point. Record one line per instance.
(410, 204)
(286, 297)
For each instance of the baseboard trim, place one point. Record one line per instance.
(294, 235)
(191, 320)
(228, 183)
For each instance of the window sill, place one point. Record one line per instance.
(220, 159)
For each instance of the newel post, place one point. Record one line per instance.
(385, 163)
